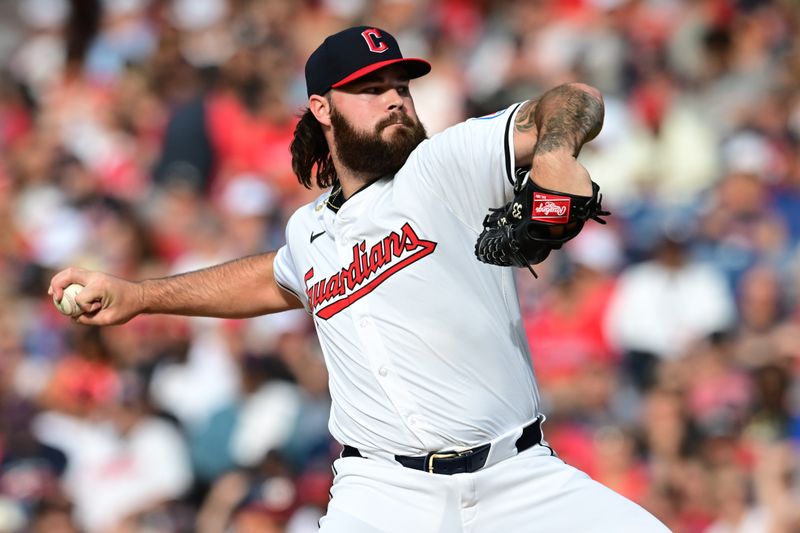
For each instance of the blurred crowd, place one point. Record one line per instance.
(150, 137)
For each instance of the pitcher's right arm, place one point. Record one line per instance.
(241, 288)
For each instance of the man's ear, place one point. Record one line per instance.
(321, 108)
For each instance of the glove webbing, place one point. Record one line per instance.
(497, 244)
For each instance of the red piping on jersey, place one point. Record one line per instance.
(364, 265)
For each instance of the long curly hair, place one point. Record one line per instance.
(311, 156)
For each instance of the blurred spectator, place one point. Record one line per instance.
(206, 365)
(730, 493)
(248, 206)
(29, 470)
(267, 507)
(122, 465)
(250, 504)
(617, 465)
(771, 418)
(662, 305)
(565, 329)
(763, 325)
(15, 114)
(739, 228)
(263, 498)
(84, 381)
(39, 59)
(125, 36)
(660, 145)
(187, 158)
(718, 392)
(268, 414)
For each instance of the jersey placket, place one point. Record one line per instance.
(372, 343)
(386, 374)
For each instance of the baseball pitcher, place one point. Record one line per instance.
(404, 265)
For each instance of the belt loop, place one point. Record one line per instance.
(531, 435)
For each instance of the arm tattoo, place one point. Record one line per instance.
(566, 118)
(525, 117)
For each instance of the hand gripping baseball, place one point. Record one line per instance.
(103, 300)
(524, 231)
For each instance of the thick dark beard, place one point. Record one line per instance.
(368, 154)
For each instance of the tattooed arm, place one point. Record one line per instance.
(549, 134)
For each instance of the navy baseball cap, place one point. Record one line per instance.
(355, 52)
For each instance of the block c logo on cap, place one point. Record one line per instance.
(371, 36)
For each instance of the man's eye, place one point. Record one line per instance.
(403, 91)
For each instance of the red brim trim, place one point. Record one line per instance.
(415, 67)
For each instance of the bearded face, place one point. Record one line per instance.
(367, 152)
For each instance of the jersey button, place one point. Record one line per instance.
(363, 322)
(383, 371)
(412, 421)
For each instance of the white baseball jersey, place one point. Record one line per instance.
(423, 343)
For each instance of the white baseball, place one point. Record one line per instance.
(67, 303)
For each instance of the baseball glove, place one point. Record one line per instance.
(524, 231)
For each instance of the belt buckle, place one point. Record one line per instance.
(443, 455)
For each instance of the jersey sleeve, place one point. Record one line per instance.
(470, 167)
(286, 274)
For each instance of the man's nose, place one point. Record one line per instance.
(394, 100)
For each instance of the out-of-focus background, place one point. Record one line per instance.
(149, 137)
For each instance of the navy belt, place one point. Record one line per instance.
(459, 462)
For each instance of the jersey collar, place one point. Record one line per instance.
(336, 199)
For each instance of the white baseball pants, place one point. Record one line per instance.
(531, 492)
